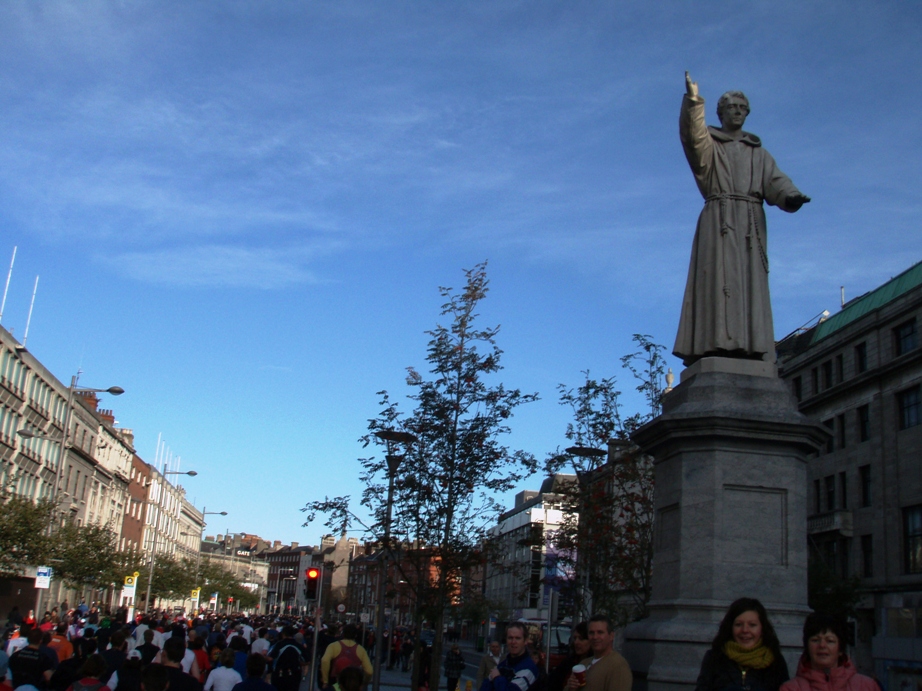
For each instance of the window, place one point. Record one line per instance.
(904, 337)
(843, 491)
(798, 389)
(910, 405)
(831, 440)
(840, 369)
(815, 374)
(817, 505)
(840, 431)
(830, 482)
(867, 556)
(827, 374)
(912, 539)
(864, 422)
(861, 357)
(864, 474)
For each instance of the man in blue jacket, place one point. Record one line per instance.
(517, 671)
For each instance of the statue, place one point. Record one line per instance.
(726, 311)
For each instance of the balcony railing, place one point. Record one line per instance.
(830, 522)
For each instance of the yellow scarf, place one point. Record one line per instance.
(758, 657)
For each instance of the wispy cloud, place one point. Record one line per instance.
(220, 266)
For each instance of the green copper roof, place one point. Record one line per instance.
(869, 302)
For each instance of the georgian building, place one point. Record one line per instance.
(859, 372)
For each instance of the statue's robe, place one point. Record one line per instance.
(726, 310)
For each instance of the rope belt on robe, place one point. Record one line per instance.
(752, 230)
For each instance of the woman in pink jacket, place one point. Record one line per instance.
(824, 665)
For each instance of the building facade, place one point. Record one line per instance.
(517, 579)
(859, 373)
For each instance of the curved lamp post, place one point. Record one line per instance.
(391, 437)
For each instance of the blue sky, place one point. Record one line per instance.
(241, 211)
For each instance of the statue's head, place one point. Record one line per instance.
(732, 100)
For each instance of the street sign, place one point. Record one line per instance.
(341, 608)
(365, 617)
(131, 583)
(43, 577)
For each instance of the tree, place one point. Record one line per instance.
(87, 556)
(24, 524)
(605, 542)
(444, 501)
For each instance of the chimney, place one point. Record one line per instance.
(294, 545)
(108, 416)
(89, 398)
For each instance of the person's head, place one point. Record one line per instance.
(256, 665)
(85, 646)
(174, 649)
(515, 638)
(495, 648)
(238, 643)
(746, 623)
(579, 640)
(262, 632)
(94, 666)
(155, 678)
(824, 641)
(351, 678)
(117, 640)
(601, 635)
(35, 637)
(197, 643)
(350, 632)
(288, 631)
(61, 629)
(148, 635)
(733, 109)
(227, 657)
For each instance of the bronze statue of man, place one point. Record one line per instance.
(726, 311)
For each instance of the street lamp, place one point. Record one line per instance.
(153, 551)
(63, 439)
(391, 437)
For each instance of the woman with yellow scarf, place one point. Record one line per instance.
(745, 654)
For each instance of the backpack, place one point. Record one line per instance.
(290, 665)
(348, 657)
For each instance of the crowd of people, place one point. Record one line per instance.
(85, 650)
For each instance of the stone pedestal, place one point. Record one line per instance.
(730, 454)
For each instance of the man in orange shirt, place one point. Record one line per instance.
(60, 645)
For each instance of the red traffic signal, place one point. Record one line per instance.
(312, 578)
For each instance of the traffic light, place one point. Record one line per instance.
(312, 578)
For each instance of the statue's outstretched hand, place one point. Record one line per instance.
(795, 201)
(691, 88)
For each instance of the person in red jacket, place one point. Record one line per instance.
(824, 665)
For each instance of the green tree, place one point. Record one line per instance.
(605, 541)
(445, 500)
(24, 524)
(86, 556)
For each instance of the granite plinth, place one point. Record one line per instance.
(730, 454)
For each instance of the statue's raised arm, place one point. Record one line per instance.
(691, 88)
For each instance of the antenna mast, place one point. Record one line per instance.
(25, 336)
(8, 276)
